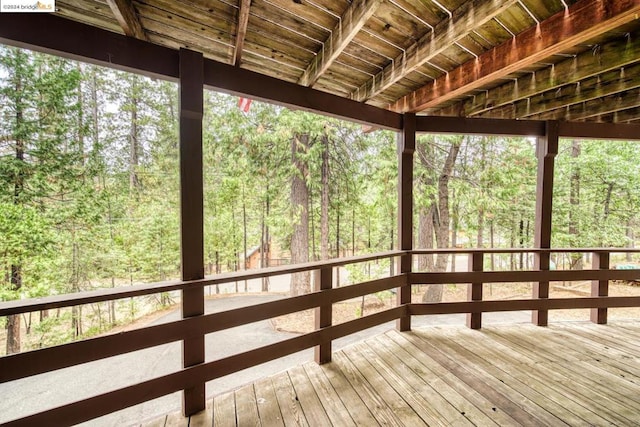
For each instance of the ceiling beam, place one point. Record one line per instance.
(606, 84)
(621, 116)
(567, 28)
(594, 108)
(241, 33)
(464, 20)
(127, 17)
(601, 59)
(43, 32)
(353, 19)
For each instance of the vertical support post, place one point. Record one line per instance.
(406, 147)
(600, 288)
(191, 213)
(547, 149)
(323, 313)
(474, 293)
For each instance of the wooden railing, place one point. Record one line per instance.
(17, 366)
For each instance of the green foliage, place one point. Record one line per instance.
(89, 184)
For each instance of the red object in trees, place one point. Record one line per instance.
(244, 104)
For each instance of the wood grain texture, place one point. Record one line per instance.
(241, 31)
(608, 57)
(562, 30)
(469, 16)
(348, 26)
(573, 373)
(127, 17)
(268, 408)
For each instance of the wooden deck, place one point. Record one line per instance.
(565, 374)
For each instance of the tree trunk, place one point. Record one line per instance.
(574, 205)
(630, 239)
(492, 234)
(300, 283)
(13, 321)
(76, 320)
(266, 242)
(425, 210)
(324, 200)
(244, 234)
(353, 231)
(521, 242)
(134, 145)
(442, 221)
(425, 237)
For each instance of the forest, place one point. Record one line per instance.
(89, 191)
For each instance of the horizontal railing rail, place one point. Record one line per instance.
(522, 304)
(109, 294)
(22, 365)
(48, 359)
(429, 278)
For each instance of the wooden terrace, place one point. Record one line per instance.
(544, 69)
(572, 373)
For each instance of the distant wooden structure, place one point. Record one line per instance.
(545, 69)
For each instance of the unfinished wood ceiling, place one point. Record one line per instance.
(536, 59)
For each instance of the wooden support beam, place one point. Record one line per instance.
(458, 125)
(577, 24)
(238, 81)
(593, 89)
(547, 149)
(610, 56)
(622, 116)
(406, 148)
(594, 108)
(469, 16)
(476, 263)
(353, 19)
(323, 314)
(587, 130)
(241, 31)
(126, 15)
(599, 288)
(191, 214)
(43, 32)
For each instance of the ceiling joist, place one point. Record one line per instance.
(604, 58)
(579, 23)
(127, 17)
(241, 33)
(354, 18)
(607, 84)
(464, 20)
(594, 108)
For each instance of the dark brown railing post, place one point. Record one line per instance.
(323, 313)
(600, 288)
(547, 149)
(476, 263)
(406, 147)
(191, 214)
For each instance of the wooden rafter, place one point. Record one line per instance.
(241, 33)
(463, 21)
(127, 17)
(577, 24)
(350, 24)
(603, 59)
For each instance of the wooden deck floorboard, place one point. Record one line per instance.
(566, 374)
